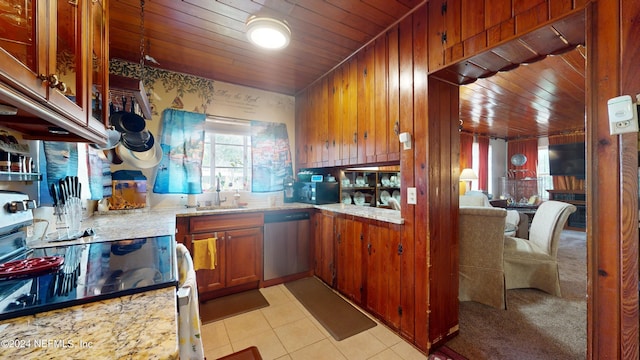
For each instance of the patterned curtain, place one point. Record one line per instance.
(483, 170)
(182, 142)
(567, 182)
(528, 148)
(270, 156)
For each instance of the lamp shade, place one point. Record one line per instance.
(267, 32)
(468, 175)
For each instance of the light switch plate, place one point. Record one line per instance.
(412, 198)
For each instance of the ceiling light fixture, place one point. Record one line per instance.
(267, 32)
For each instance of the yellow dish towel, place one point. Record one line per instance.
(204, 254)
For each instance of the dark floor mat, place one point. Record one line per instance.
(339, 317)
(231, 305)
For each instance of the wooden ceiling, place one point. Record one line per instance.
(206, 38)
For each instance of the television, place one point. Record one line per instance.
(567, 160)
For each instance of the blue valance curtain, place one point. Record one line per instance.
(182, 142)
(271, 156)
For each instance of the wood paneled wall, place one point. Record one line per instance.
(427, 109)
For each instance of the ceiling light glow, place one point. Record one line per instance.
(268, 33)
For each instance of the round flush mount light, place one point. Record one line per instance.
(267, 32)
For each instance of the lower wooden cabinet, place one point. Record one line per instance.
(239, 245)
(368, 255)
(324, 266)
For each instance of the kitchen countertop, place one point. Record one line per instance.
(134, 326)
(140, 223)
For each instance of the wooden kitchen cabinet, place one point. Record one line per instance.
(55, 60)
(324, 266)
(239, 249)
(382, 269)
(349, 262)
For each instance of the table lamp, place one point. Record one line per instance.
(467, 175)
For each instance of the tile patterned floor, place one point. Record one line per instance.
(286, 331)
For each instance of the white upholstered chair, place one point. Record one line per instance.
(533, 263)
(481, 271)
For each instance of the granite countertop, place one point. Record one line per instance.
(134, 326)
(140, 223)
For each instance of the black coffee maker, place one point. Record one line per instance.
(289, 193)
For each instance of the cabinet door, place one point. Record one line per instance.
(383, 274)
(98, 62)
(366, 97)
(66, 73)
(23, 50)
(324, 248)
(393, 95)
(243, 255)
(349, 262)
(210, 280)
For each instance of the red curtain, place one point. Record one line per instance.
(528, 148)
(466, 151)
(567, 182)
(483, 169)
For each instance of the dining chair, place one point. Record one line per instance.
(533, 263)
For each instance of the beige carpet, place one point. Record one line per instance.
(536, 325)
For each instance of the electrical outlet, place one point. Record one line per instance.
(412, 197)
(623, 115)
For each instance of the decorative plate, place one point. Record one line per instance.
(385, 181)
(396, 195)
(358, 198)
(384, 197)
(518, 159)
(346, 198)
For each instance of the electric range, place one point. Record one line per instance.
(58, 276)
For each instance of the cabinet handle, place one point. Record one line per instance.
(396, 127)
(53, 81)
(369, 248)
(366, 135)
(327, 144)
(355, 137)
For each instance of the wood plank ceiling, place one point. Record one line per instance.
(206, 38)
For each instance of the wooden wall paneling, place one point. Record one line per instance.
(612, 230)
(443, 211)
(380, 113)
(475, 44)
(473, 18)
(366, 101)
(559, 7)
(315, 154)
(496, 12)
(414, 304)
(344, 113)
(334, 128)
(393, 85)
(352, 119)
(531, 18)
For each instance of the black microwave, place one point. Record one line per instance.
(317, 193)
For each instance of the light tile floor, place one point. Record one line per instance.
(285, 330)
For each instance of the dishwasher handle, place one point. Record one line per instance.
(284, 217)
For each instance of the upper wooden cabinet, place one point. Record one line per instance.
(55, 68)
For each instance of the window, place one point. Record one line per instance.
(545, 181)
(227, 155)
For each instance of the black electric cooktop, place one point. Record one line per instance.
(89, 272)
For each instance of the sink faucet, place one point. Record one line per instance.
(216, 196)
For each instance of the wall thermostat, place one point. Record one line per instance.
(623, 115)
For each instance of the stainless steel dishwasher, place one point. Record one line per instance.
(287, 239)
